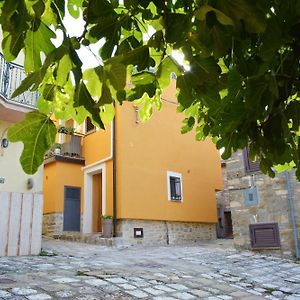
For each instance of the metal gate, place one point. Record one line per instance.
(71, 209)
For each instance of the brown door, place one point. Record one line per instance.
(97, 202)
(228, 224)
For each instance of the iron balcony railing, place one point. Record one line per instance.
(11, 76)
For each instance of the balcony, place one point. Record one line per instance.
(11, 76)
(69, 151)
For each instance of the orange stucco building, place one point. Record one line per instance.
(158, 184)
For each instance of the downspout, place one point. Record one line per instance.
(114, 177)
(292, 213)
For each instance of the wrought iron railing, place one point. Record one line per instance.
(11, 76)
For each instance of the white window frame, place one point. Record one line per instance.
(178, 175)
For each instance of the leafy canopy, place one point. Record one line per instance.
(240, 84)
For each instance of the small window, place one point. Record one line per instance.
(251, 197)
(89, 126)
(174, 186)
(250, 166)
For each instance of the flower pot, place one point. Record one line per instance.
(107, 228)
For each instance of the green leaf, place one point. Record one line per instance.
(246, 11)
(33, 79)
(64, 68)
(117, 76)
(183, 83)
(143, 78)
(74, 8)
(49, 92)
(12, 45)
(106, 97)
(37, 132)
(93, 80)
(83, 98)
(200, 14)
(37, 41)
(107, 113)
(165, 69)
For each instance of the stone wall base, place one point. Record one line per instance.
(52, 224)
(163, 232)
(154, 232)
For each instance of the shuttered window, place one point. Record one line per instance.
(264, 235)
(250, 166)
(89, 126)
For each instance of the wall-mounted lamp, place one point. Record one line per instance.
(30, 183)
(4, 142)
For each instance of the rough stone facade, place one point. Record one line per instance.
(164, 232)
(52, 224)
(224, 225)
(272, 204)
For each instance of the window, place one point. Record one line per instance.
(250, 166)
(174, 186)
(251, 197)
(89, 126)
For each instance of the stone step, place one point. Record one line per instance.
(94, 238)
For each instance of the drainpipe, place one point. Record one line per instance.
(292, 213)
(114, 177)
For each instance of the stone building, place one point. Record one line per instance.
(265, 211)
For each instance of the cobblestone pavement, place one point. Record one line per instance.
(88, 272)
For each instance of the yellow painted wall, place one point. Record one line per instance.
(11, 169)
(58, 174)
(146, 151)
(96, 145)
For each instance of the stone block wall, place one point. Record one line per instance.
(272, 203)
(164, 232)
(52, 224)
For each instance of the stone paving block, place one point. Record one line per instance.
(39, 297)
(54, 287)
(23, 291)
(225, 297)
(137, 293)
(205, 281)
(87, 297)
(212, 290)
(65, 280)
(87, 289)
(127, 286)
(178, 287)
(200, 293)
(164, 298)
(153, 291)
(239, 294)
(254, 292)
(117, 280)
(184, 296)
(65, 294)
(163, 288)
(5, 294)
(140, 284)
(96, 282)
(225, 288)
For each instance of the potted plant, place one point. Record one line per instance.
(57, 148)
(107, 226)
(66, 130)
